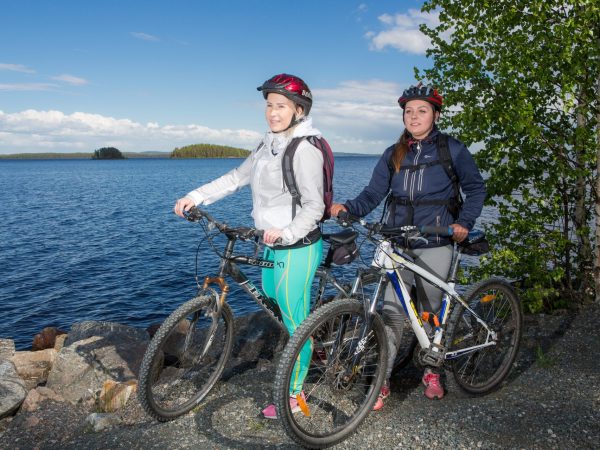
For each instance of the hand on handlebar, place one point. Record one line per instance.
(271, 235)
(459, 232)
(183, 204)
(336, 208)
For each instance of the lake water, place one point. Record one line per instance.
(97, 240)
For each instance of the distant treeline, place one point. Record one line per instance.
(209, 151)
(82, 155)
(47, 156)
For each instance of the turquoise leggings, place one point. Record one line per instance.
(289, 283)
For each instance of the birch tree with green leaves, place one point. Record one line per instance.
(521, 80)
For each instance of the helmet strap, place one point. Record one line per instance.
(295, 121)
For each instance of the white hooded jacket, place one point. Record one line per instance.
(271, 201)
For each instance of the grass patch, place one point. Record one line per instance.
(542, 360)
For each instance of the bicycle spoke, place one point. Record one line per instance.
(482, 369)
(185, 358)
(339, 388)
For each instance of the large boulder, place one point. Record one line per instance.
(89, 328)
(257, 337)
(7, 348)
(34, 367)
(12, 388)
(38, 395)
(95, 352)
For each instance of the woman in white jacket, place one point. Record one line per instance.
(299, 247)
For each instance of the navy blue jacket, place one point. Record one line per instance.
(428, 183)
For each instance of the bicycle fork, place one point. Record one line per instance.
(359, 347)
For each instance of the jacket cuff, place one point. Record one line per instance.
(195, 197)
(287, 237)
(464, 223)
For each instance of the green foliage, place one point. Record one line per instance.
(107, 153)
(521, 78)
(542, 360)
(209, 151)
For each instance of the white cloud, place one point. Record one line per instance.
(401, 31)
(16, 68)
(355, 116)
(70, 79)
(32, 130)
(359, 116)
(27, 87)
(144, 36)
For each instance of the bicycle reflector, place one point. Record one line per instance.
(487, 298)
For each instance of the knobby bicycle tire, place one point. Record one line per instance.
(406, 347)
(496, 302)
(175, 375)
(337, 397)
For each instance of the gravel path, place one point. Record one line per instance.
(550, 401)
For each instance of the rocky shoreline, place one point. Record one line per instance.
(80, 394)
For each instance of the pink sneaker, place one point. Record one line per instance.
(270, 412)
(433, 387)
(383, 394)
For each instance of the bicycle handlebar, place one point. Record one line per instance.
(196, 214)
(345, 219)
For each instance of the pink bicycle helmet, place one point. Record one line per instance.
(292, 87)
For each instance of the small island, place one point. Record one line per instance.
(108, 153)
(209, 151)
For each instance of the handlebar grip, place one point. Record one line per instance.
(194, 214)
(344, 218)
(441, 231)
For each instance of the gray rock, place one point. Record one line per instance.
(12, 388)
(102, 421)
(112, 352)
(7, 348)
(87, 329)
(257, 336)
(37, 396)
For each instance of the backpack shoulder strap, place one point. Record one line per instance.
(446, 161)
(287, 169)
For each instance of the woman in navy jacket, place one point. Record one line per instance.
(418, 174)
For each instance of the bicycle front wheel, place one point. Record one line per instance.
(496, 302)
(185, 358)
(339, 388)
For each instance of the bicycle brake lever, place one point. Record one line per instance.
(418, 238)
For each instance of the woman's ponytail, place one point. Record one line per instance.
(400, 150)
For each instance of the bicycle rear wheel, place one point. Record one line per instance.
(339, 394)
(496, 302)
(185, 358)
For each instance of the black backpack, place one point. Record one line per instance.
(290, 181)
(454, 204)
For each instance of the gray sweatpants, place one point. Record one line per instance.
(429, 298)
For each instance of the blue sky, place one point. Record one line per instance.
(150, 75)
